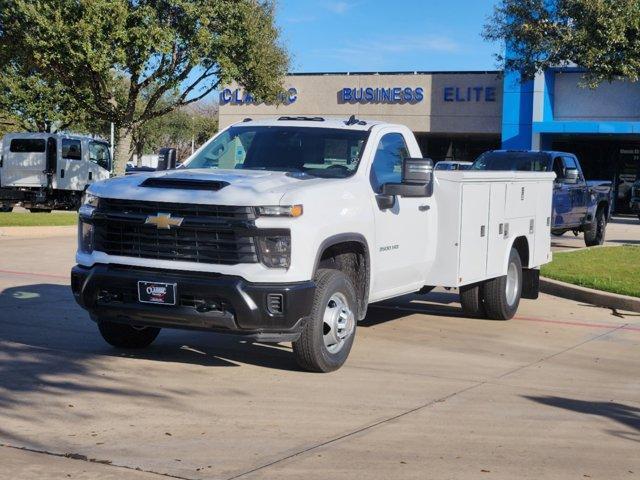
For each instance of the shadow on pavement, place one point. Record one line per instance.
(434, 303)
(43, 333)
(627, 415)
(46, 319)
(625, 220)
(625, 242)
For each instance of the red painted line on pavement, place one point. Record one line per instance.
(33, 274)
(579, 324)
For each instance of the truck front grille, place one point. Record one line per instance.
(205, 234)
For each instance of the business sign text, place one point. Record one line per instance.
(381, 95)
(469, 94)
(241, 97)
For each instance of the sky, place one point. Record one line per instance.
(386, 35)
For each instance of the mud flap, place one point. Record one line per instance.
(530, 283)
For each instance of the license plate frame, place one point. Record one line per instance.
(157, 293)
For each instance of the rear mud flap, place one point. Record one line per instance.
(530, 283)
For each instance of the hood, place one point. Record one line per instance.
(204, 186)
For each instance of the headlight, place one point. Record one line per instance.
(280, 211)
(90, 199)
(88, 205)
(85, 237)
(275, 252)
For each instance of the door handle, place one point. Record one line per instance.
(424, 208)
(90, 175)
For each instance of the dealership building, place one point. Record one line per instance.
(458, 115)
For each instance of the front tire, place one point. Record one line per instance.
(594, 235)
(502, 294)
(122, 335)
(6, 208)
(327, 337)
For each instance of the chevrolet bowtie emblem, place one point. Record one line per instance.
(164, 221)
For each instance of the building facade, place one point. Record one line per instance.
(455, 115)
(458, 115)
(600, 125)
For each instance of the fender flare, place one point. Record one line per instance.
(505, 261)
(355, 238)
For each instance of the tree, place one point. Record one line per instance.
(197, 122)
(34, 103)
(130, 55)
(602, 36)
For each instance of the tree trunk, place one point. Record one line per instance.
(123, 151)
(139, 151)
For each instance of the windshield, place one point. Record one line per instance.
(519, 161)
(320, 152)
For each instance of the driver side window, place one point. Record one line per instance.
(99, 154)
(387, 163)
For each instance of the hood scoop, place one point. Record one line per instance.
(184, 183)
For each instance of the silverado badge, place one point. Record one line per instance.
(164, 221)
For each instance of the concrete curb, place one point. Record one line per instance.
(589, 295)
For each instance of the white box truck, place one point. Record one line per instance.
(286, 229)
(43, 171)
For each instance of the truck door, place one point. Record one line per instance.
(561, 197)
(72, 171)
(99, 161)
(578, 193)
(400, 253)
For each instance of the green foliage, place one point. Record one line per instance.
(602, 36)
(612, 269)
(130, 61)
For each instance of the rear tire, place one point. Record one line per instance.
(502, 294)
(594, 235)
(472, 300)
(122, 335)
(327, 337)
(40, 210)
(6, 208)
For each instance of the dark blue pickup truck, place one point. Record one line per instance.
(578, 205)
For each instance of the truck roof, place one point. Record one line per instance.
(351, 123)
(544, 152)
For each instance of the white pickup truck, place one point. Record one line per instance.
(286, 229)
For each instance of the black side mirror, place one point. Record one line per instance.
(166, 159)
(417, 179)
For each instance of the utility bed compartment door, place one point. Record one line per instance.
(521, 199)
(473, 232)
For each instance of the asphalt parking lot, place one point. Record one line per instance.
(426, 393)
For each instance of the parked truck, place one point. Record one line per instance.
(42, 171)
(285, 230)
(578, 205)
